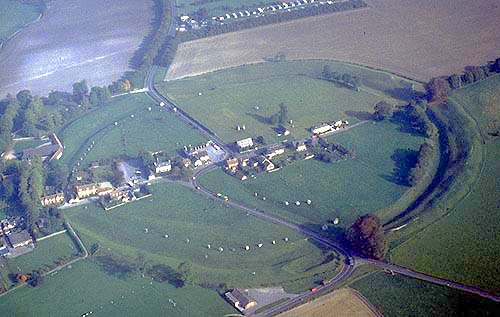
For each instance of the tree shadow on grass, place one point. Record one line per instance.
(404, 160)
(259, 118)
(405, 94)
(360, 115)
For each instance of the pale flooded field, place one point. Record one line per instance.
(74, 40)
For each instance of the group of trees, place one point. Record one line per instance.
(382, 110)
(424, 159)
(439, 88)
(30, 190)
(215, 28)
(344, 79)
(366, 237)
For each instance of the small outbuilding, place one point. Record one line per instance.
(240, 299)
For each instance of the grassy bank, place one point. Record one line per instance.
(463, 244)
(15, 15)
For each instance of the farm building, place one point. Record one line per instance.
(275, 151)
(239, 175)
(244, 144)
(54, 199)
(325, 127)
(240, 299)
(19, 239)
(232, 164)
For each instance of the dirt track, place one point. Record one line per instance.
(417, 39)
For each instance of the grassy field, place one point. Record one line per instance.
(344, 189)
(248, 95)
(343, 302)
(465, 245)
(153, 130)
(417, 39)
(401, 296)
(44, 255)
(146, 130)
(192, 223)
(13, 16)
(219, 7)
(85, 287)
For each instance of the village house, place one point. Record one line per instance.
(244, 161)
(54, 199)
(84, 191)
(232, 164)
(7, 225)
(244, 144)
(275, 151)
(300, 147)
(266, 164)
(186, 162)
(19, 239)
(203, 156)
(240, 299)
(162, 167)
(47, 152)
(196, 161)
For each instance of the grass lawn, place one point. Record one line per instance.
(192, 222)
(227, 98)
(44, 255)
(401, 296)
(465, 245)
(85, 287)
(344, 189)
(14, 15)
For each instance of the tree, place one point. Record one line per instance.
(185, 269)
(382, 111)
(24, 97)
(455, 81)
(366, 237)
(327, 72)
(80, 89)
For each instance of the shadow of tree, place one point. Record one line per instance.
(360, 115)
(404, 160)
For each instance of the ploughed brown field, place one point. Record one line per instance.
(418, 39)
(340, 303)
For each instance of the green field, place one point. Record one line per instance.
(44, 256)
(192, 222)
(225, 99)
(13, 16)
(465, 245)
(344, 189)
(219, 7)
(401, 296)
(146, 130)
(85, 287)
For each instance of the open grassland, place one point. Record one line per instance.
(465, 246)
(343, 302)
(192, 223)
(219, 7)
(419, 39)
(84, 287)
(145, 131)
(44, 256)
(344, 189)
(13, 16)
(402, 296)
(249, 95)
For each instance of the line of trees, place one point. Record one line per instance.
(344, 79)
(440, 87)
(214, 28)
